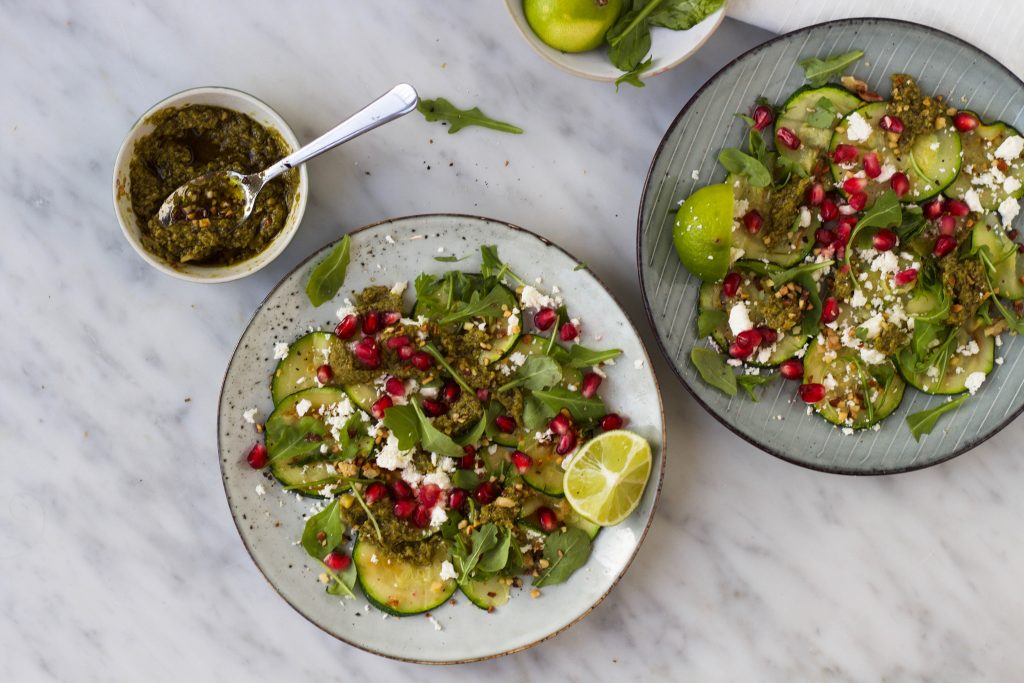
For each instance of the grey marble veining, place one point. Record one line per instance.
(118, 558)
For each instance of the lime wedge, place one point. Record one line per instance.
(606, 479)
(703, 232)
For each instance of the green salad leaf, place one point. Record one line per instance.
(293, 439)
(680, 15)
(708, 320)
(629, 38)
(818, 71)
(745, 165)
(323, 532)
(581, 408)
(329, 275)
(538, 372)
(442, 110)
(466, 557)
(341, 583)
(582, 357)
(714, 370)
(566, 551)
(750, 382)
(401, 420)
(490, 305)
(824, 114)
(492, 266)
(494, 560)
(536, 414)
(439, 357)
(632, 77)
(433, 439)
(923, 422)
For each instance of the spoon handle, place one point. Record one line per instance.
(397, 102)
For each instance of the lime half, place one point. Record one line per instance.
(571, 25)
(703, 232)
(606, 479)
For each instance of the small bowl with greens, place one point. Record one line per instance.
(620, 41)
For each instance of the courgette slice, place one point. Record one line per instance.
(802, 105)
(979, 146)
(489, 593)
(363, 395)
(799, 240)
(566, 515)
(297, 370)
(545, 474)
(844, 379)
(960, 366)
(401, 588)
(1008, 277)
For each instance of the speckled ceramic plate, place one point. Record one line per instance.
(270, 524)
(777, 423)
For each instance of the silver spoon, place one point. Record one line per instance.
(397, 102)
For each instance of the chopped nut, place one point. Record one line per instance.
(535, 594)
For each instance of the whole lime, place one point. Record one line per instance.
(703, 232)
(572, 25)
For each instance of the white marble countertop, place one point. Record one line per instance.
(118, 559)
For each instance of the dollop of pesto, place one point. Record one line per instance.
(919, 113)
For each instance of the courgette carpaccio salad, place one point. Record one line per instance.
(437, 440)
(870, 246)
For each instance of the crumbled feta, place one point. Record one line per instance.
(739, 318)
(973, 200)
(1008, 210)
(829, 382)
(302, 407)
(439, 478)
(438, 516)
(531, 297)
(391, 457)
(346, 309)
(974, 382)
(389, 239)
(448, 571)
(695, 174)
(280, 350)
(1011, 148)
(871, 356)
(858, 129)
(260, 490)
(638, 363)
(250, 415)
(888, 171)
(805, 217)
(1011, 185)
(847, 431)
(858, 299)
(399, 288)
(873, 325)
(886, 263)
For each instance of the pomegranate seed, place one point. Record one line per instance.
(854, 184)
(521, 461)
(843, 154)
(421, 360)
(560, 424)
(505, 424)
(893, 124)
(900, 183)
(433, 408)
(483, 395)
(843, 232)
(829, 210)
(737, 350)
(404, 509)
(943, 246)
(611, 421)
(380, 405)
(884, 240)
(451, 392)
(816, 194)
(429, 494)
(406, 352)
(1013, 234)
(486, 492)
(768, 335)
(257, 457)
(731, 284)
(753, 221)
(965, 121)
(400, 490)
(956, 207)
(457, 498)
(389, 318)
(545, 318)
(905, 277)
(398, 342)
(468, 461)
(371, 323)
(829, 310)
(749, 338)
(348, 326)
(588, 387)
(824, 236)
(857, 201)
(566, 443)
(548, 520)
(792, 368)
(394, 386)
(763, 117)
(374, 492)
(934, 209)
(568, 332)
(367, 352)
(872, 166)
(421, 517)
(811, 393)
(947, 225)
(787, 138)
(337, 561)
(324, 374)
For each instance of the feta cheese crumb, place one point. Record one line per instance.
(260, 490)
(1011, 148)
(695, 174)
(448, 571)
(250, 415)
(1008, 210)
(391, 457)
(302, 407)
(858, 129)
(973, 200)
(399, 288)
(638, 363)
(531, 297)
(438, 516)
(739, 318)
(280, 350)
(974, 381)
(871, 356)
(389, 239)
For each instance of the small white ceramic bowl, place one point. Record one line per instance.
(668, 48)
(217, 97)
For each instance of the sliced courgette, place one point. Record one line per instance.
(545, 474)
(488, 593)
(566, 515)
(803, 105)
(797, 243)
(980, 145)
(960, 366)
(1008, 277)
(297, 371)
(845, 378)
(363, 395)
(401, 588)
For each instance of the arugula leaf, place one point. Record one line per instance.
(403, 423)
(488, 306)
(582, 357)
(714, 370)
(465, 559)
(465, 479)
(433, 439)
(341, 583)
(790, 167)
(680, 15)
(495, 559)
(439, 357)
(329, 275)
(474, 434)
(758, 148)
(632, 77)
(923, 422)
(441, 109)
(369, 513)
(883, 213)
(566, 551)
(745, 165)
(749, 382)
(812, 319)
(538, 372)
(579, 266)
(581, 408)
(824, 114)
(911, 224)
(292, 439)
(536, 414)
(450, 259)
(492, 266)
(323, 531)
(708, 320)
(818, 71)
(795, 272)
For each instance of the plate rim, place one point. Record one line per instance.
(662, 454)
(828, 469)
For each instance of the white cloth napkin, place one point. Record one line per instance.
(994, 26)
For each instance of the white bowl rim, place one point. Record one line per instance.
(236, 270)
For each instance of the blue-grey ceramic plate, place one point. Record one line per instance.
(271, 523)
(779, 423)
